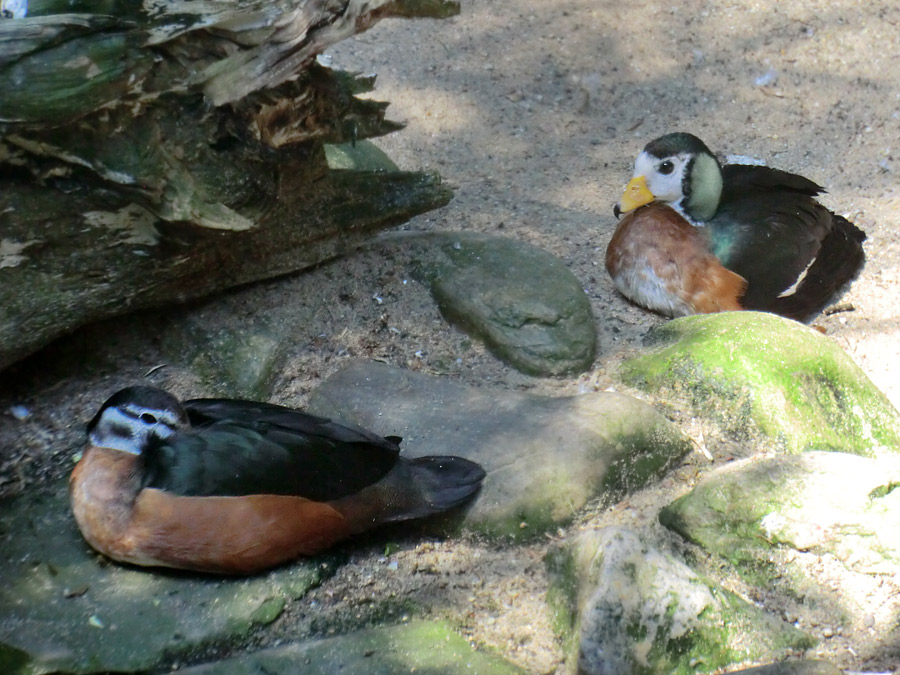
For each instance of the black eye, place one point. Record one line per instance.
(666, 168)
(148, 418)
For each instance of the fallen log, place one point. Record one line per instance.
(156, 153)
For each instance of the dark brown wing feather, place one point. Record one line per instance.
(244, 448)
(770, 230)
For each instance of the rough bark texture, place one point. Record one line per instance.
(152, 154)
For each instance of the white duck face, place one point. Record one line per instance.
(665, 177)
(129, 424)
(679, 171)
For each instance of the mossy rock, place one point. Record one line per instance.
(626, 608)
(418, 646)
(824, 502)
(521, 301)
(241, 361)
(754, 372)
(792, 668)
(65, 609)
(545, 457)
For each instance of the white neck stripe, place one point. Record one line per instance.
(114, 443)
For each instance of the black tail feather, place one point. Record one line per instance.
(838, 261)
(414, 488)
(446, 481)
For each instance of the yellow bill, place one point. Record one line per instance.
(636, 194)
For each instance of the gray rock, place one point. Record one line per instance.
(544, 457)
(63, 608)
(628, 608)
(823, 502)
(757, 372)
(418, 646)
(525, 304)
(240, 361)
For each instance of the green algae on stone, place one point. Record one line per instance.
(630, 609)
(240, 361)
(63, 608)
(526, 305)
(757, 372)
(792, 668)
(428, 647)
(545, 457)
(268, 610)
(360, 156)
(825, 502)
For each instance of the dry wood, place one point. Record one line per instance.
(160, 152)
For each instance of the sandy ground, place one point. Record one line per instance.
(534, 111)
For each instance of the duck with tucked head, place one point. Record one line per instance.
(235, 487)
(701, 237)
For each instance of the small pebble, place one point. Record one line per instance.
(767, 79)
(20, 412)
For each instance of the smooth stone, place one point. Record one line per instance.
(64, 608)
(825, 502)
(417, 646)
(523, 302)
(240, 361)
(757, 372)
(544, 457)
(627, 608)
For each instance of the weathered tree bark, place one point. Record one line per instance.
(154, 153)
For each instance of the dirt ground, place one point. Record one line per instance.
(534, 112)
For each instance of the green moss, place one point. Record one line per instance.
(360, 156)
(724, 517)
(416, 646)
(883, 490)
(636, 630)
(756, 372)
(676, 623)
(268, 610)
(562, 596)
(526, 524)
(12, 660)
(642, 454)
(390, 548)
(646, 454)
(629, 569)
(752, 515)
(720, 627)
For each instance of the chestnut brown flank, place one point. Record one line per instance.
(656, 237)
(224, 534)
